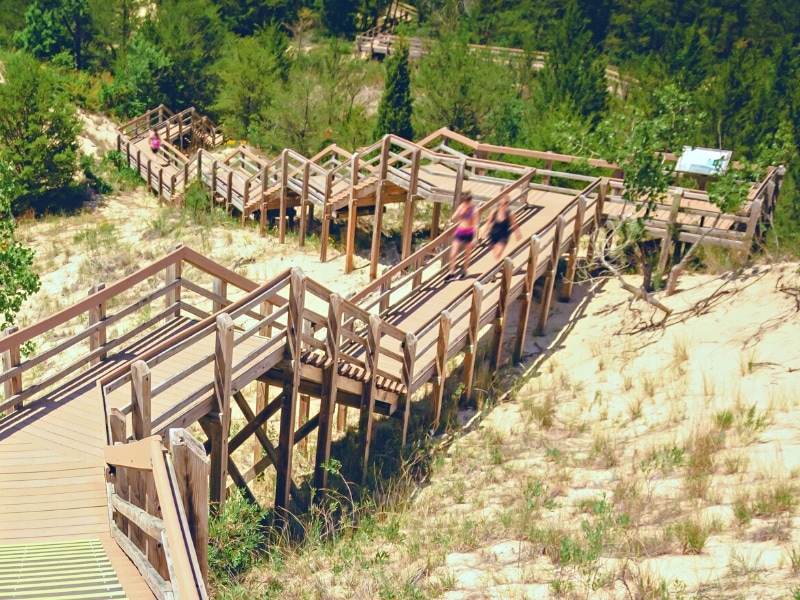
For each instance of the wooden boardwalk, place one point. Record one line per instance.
(149, 373)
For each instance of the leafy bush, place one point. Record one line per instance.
(235, 538)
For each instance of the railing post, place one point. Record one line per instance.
(329, 388)
(408, 213)
(219, 288)
(142, 428)
(368, 392)
(350, 245)
(12, 358)
(462, 167)
(97, 314)
(191, 471)
(501, 318)
(472, 341)
(409, 358)
(527, 298)
(303, 200)
(327, 217)
(442, 345)
(572, 264)
(291, 385)
(547, 297)
(284, 183)
(223, 365)
(378, 223)
(173, 273)
(214, 164)
(117, 428)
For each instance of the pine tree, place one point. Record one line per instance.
(574, 72)
(394, 111)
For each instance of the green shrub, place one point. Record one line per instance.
(236, 538)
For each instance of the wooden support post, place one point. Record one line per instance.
(548, 166)
(97, 314)
(117, 427)
(173, 273)
(376, 233)
(752, 224)
(547, 297)
(142, 428)
(303, 201)
(219, 288)
(160, 184)
(284, 183)
(229, 193)
(459, 185)
(149, 174)
(325, 234)
(140, 399)
(200, 165)
(572, 263)
(442, 345)
(212, 426)
(408, 213)
(598, 219)
(223, 364)
(155, 552)
(501, 317)
(341, 417)
(409, 358)
(11, 358)
(303, 414)
(369, 391)
(172, 185)
(666, 241)
(468, 374)
(262, 399)
(214, 182)
(527, 298)
(352, 223)
(191, 471)
(329, 389)
(437, 210)
(291, 385)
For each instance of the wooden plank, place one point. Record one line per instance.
(527, 298)
(328, 398)
(223, 364)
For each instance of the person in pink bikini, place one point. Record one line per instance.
(466, 215)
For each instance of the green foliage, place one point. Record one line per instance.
(318, 105)
(12, 18)
(396, 106)
(197, 199)
(574, 73)
(140, 74)
(246, 17)
(235, 538)
(249, 71)
(191, 36)
(38, 130)
(464, 90)
(17, 278)
(55, 26)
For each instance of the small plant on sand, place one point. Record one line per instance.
(691, 534)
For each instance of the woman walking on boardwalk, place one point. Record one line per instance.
(466, 215)
(499, 225)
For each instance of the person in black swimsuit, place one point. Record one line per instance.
(499, 225)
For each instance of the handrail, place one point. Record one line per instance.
(148, 455)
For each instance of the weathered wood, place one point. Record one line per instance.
(161, 589)
(152, 526)
(329, 388)
(291, 388)
(173, 273)
(283, 192)
(442, 344)
(262, 399)
(369, 390)
(501, 316)
(117, 429)
(219, 287)
(409, 357)
(191, 470)
(341, 417)
(141, 400)
(376, 232)
(572, 264)
(155, 552)
(352, 223)
(408, 212)
(550, 280)
(303, 413)
(223, 364)
(303, 200)
(437, 210)
(468, 372)
(11, 358)
(527, 298)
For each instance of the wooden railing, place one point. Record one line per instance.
(159, 512)
(109, 324)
